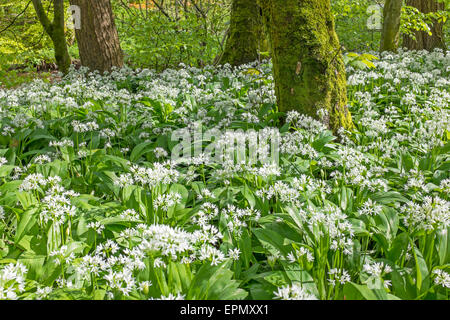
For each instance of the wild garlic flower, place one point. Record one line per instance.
(338, 276)
(171, 296)
(166, 201)
(377, 269)
(12, 280)
(370, 208)
(43, 292)
(441, 278)
(432, 214)
(293, 292)
(234, 254)
(97, 226)
(160, 153)
(130, 214)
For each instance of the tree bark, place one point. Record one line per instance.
(423, 39)
(245, 29)
(391, 26)
(308, 66)
(98, 40)
(55, 30)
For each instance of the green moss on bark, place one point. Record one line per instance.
(309, 71)
(243, 40)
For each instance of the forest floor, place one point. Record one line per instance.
(98, 202)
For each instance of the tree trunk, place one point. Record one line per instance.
(242, 44)
(265, 25)
(308, 67)
(423, 39)
(391, 27)
(98, 40)
(55, 30)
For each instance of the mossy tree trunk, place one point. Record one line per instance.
(245, 28)
(390, 34)
(55, 30)
(308, 67)
(98, 40)
(423, 39)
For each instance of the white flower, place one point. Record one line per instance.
(294, 292)
(43, 293)
(144, 285)
(377, 269)
(160, 153)
(179, 296)
(124, 180)
(96, 226)
(130, 214)
(234, 254)
(166, 201)
(340, 276)
(442, 278)
(370, 208)
(3, 161)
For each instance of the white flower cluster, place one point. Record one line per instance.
(338, 276)
(299, 254)
(376, 269)
(161, 173)
(12, 281)
(56, 204)
(432, 214)
(441, 278)
(294, 292)
(84, 127)
(238, 218)
(166, 201)
(370, 208)
(329, 223)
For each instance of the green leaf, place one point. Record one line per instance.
(248, 195)
(140, 150)
(421, 270)
(27, 221)
(389, 197)
(443, 247)
(6, 170)
(353, 291)
(215, 283)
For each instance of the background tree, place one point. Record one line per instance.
(55, 30)
(423, 39)
(308, 67)
(244, 33)
(390, 33)
(98, 40)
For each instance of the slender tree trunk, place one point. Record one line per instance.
(307, 60)
(423, 39)
(98, 40)
(245, 28)
(391, 27)
(265, 24)
(55, 30)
